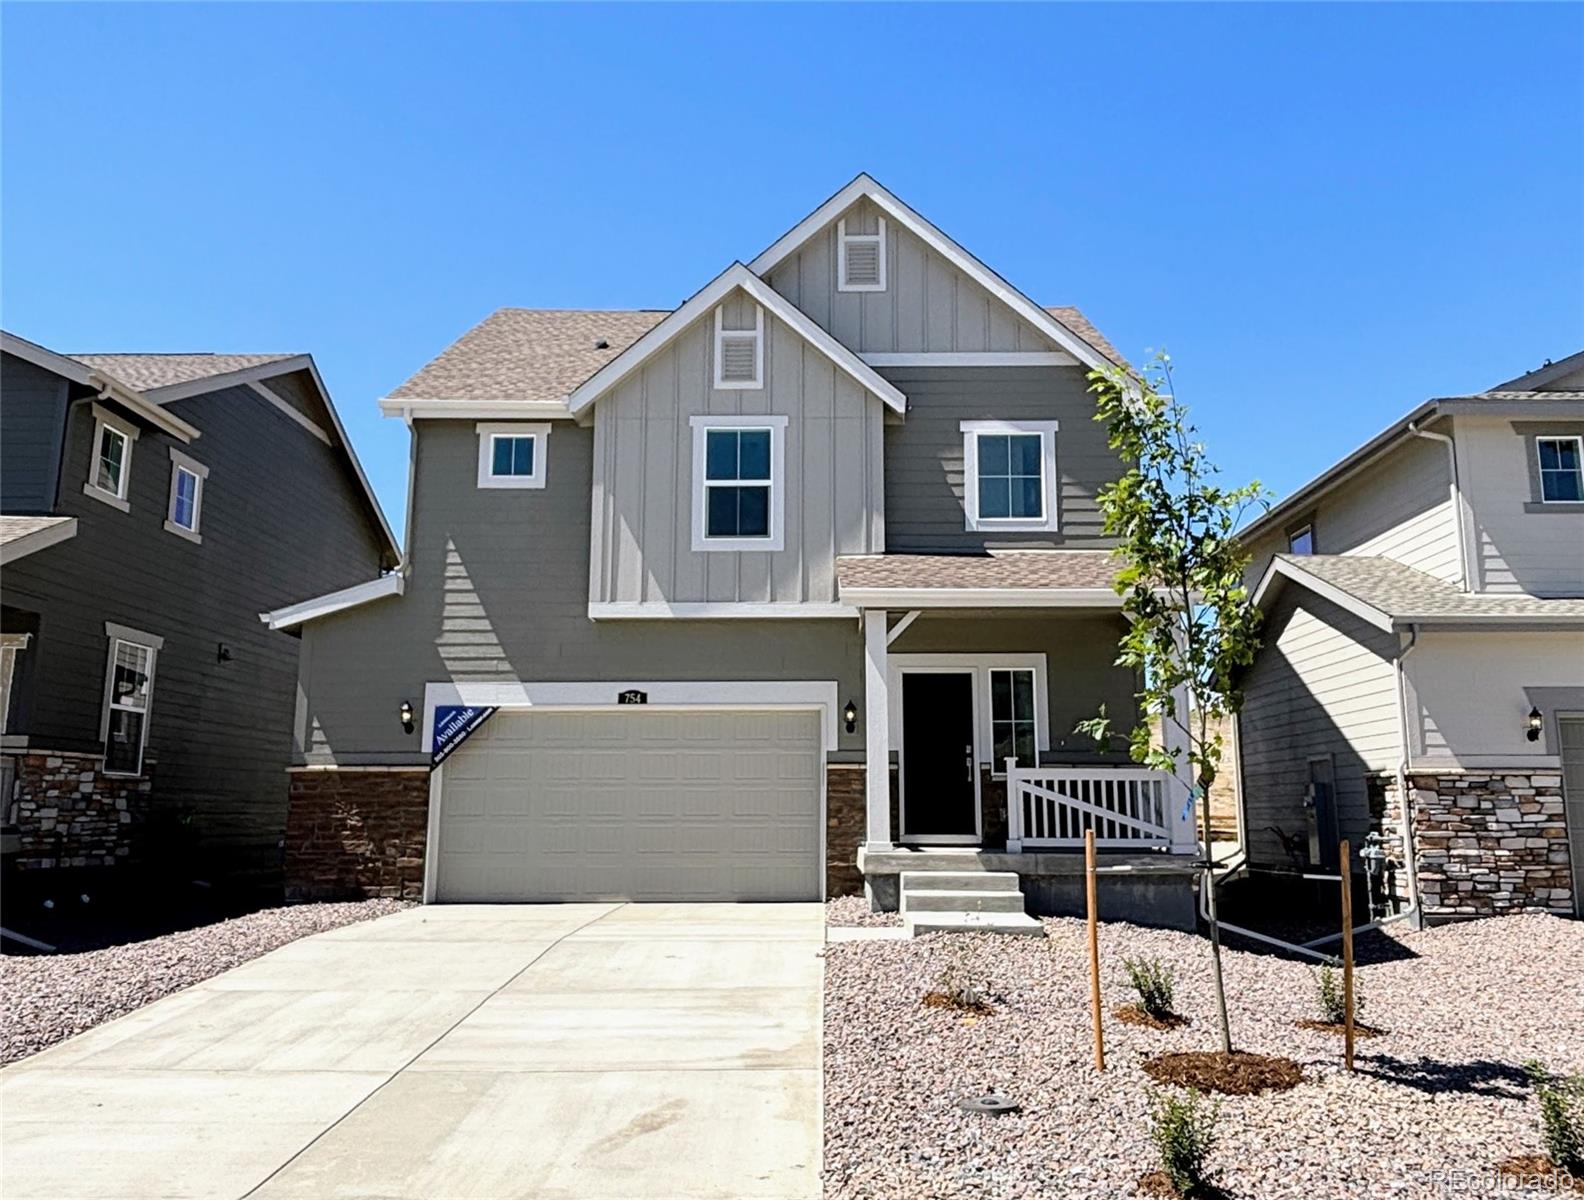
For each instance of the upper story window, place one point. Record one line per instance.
(110, 467)
(738, 482)
(739, 353)
(186, 496)
(129, 688)
(1009, 475)
(1301, 539)
(1561, 469)
(860, 259)
(511, 454)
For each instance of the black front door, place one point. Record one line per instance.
(939, 788)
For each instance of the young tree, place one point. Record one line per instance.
(1192, 624)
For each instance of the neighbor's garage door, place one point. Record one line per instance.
(633, 805)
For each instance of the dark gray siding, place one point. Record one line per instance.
(924, 454)
(499, 590)
(282, 519)
(32, 416)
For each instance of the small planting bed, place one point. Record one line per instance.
(1235, 1074)
(1441, 1089)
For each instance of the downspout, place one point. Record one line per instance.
(1465, 571)
(1404, 796)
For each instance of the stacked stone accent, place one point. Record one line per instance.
(846, 820)
(1489, 843)
(357, 832)
(70, 814)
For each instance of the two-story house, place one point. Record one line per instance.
(768, 596)
(1422, 674)
(152, 503)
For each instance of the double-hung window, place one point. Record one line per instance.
(186, 496)
(1012, 718)
(737, 482)
(1561, 469)
(110, 461)
(1009, 475)
(129, 689)
(511, 454)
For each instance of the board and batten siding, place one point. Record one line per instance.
(928, 305)
(1521, 546)
(924, 466)
(1399, 507)
(643, 485)
(282, 518)
(1324, 683)
(32, 423)
(498, 590)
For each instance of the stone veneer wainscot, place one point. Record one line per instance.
(70, 814)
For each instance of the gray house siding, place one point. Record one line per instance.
(924, 454)
(642, 547)
(498, 590)
(928, 304)
(32, 416)
(1323, 685)
(281, 518)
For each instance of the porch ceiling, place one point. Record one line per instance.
(996, 578)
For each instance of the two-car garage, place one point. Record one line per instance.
(634, 804)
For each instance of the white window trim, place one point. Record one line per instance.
(1578, 446)
(181, 462)
(488, 431)
(153, 644)
(842, 239)
(105, 419)
(1051, 520)
(721, 333)
(1292, 536)
(777, 427)
(11, 644)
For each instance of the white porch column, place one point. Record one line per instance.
(1184, 831)
(877, 732)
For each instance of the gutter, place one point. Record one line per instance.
(1464, 571)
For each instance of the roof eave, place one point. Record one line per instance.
(293, 615)
(968, 597)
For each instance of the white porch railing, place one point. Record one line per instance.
(1129, 808)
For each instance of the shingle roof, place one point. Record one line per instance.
(146, 372)
(542, 354)
(1407, 596)
(1509, 394)
(13, 528)
(995, 569)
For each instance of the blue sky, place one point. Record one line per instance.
(1326, 214)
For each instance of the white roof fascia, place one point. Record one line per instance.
(1280, 568)
(733, 277)
(475, 410)
(293, 615)
(39, 539)
(948, 597)
(866, 186)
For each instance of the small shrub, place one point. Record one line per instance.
(1183, 1130)
(1152, 980)
(1333, 1000)
(1561, 1116)
(956, 981)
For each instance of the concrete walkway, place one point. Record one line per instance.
(578, 1051)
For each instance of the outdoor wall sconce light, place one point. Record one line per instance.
(1534, 725)
(407, 716)
(850, 715)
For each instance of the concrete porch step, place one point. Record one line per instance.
(960, 881)
(1017, 924)
(916, 900)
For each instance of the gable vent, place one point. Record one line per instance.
(862, 259)
(739, 353)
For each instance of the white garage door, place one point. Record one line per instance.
(633, 805)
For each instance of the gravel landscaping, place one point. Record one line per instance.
(854, 910)
(47, 998)
(1441, 1089)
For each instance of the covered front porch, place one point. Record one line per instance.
(977, 672)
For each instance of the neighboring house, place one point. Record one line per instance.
(1424, 633)
(153, 503)
(734, 589)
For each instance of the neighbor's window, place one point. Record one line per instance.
(511, 455)
(737, 469)
(186, 496)
(129, 687)
(1561, 469)
(1009, 474)
(1012, 718)
(739, 353)
(1301, 540)
(110, 468)
(861, 265)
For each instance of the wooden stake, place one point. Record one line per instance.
(1347, 952)
(1094, 949)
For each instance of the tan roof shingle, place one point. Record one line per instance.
(1084, 328)
(148, 372)
(1407, 595)
(996, 569)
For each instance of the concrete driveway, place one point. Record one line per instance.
(593, 1050)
